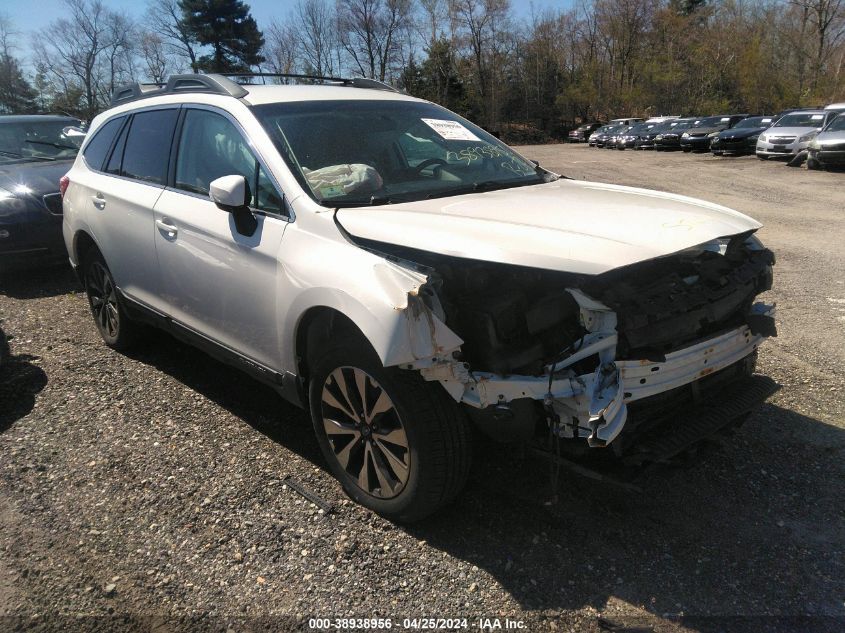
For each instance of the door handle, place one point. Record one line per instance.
(166, 227)
(99, 201)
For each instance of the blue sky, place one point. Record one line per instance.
(28, 19)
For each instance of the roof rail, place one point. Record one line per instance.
(214, 84)
(220, 83)
(355, 82)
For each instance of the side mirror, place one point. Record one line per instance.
(231, 193)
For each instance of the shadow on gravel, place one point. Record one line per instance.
(49, 281)
(751, 527)
(20, 380)
(255, 403)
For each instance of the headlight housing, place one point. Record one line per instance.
(712, 134)
(685, 135)
(808, 137)
(763, 138)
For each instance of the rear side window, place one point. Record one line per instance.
(113, 164)
(148, 146)
(97, 149)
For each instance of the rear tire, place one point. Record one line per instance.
(117, 330)
(402, 450)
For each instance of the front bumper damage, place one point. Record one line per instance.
(593, 406)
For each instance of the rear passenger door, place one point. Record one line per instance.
(215, 280)
(122, 197)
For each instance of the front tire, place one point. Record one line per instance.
(398, 445)
(117, 330)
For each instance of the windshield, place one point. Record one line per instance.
(754, 121)
(665, 126)
(712, 121)
(837, 124)
(348, 153)
(684, 125)
(641, 128)
(801, 119)
(38, 140)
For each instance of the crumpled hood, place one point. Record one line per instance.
(566, 225)
(39, 178)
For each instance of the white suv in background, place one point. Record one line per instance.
(402, 274)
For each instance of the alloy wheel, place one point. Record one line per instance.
(365, 432)
(103, 299)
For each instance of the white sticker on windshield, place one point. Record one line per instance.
(816, 117)
(450, 130)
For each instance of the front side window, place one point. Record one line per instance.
(210, 147)
(148, 145)
(349, 153)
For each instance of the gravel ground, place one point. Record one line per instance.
(146, 491)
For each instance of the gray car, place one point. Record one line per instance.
(828, 147)
(792, 133)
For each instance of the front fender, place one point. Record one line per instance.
(387, 301)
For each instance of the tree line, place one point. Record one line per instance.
(531, 76)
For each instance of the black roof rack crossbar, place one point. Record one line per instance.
(355, 82)
(214, 84)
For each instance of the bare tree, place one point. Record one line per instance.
(280, 48)
(370, 33)
(164, 17)
(72, 50)
(316, 27)
(154, 55)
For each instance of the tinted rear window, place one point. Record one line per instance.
(148, 145)
(96, 150)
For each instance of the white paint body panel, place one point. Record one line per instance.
(566, 225)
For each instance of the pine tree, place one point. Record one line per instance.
(229, 29)
(16, 94)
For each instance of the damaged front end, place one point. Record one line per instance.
(545, 351)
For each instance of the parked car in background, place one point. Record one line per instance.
(742, 138)
(613, 138)
(630, 138)
(792, 133)
(671, 139)
(358, 249)
(35, 151)
(839, 108)
(605, 134)
(626, 121)
(662, 119)
(827, 149)
(646, 139)
(582, 133)
(698, 137)
(591, 140)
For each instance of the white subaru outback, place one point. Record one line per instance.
(407, 277)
